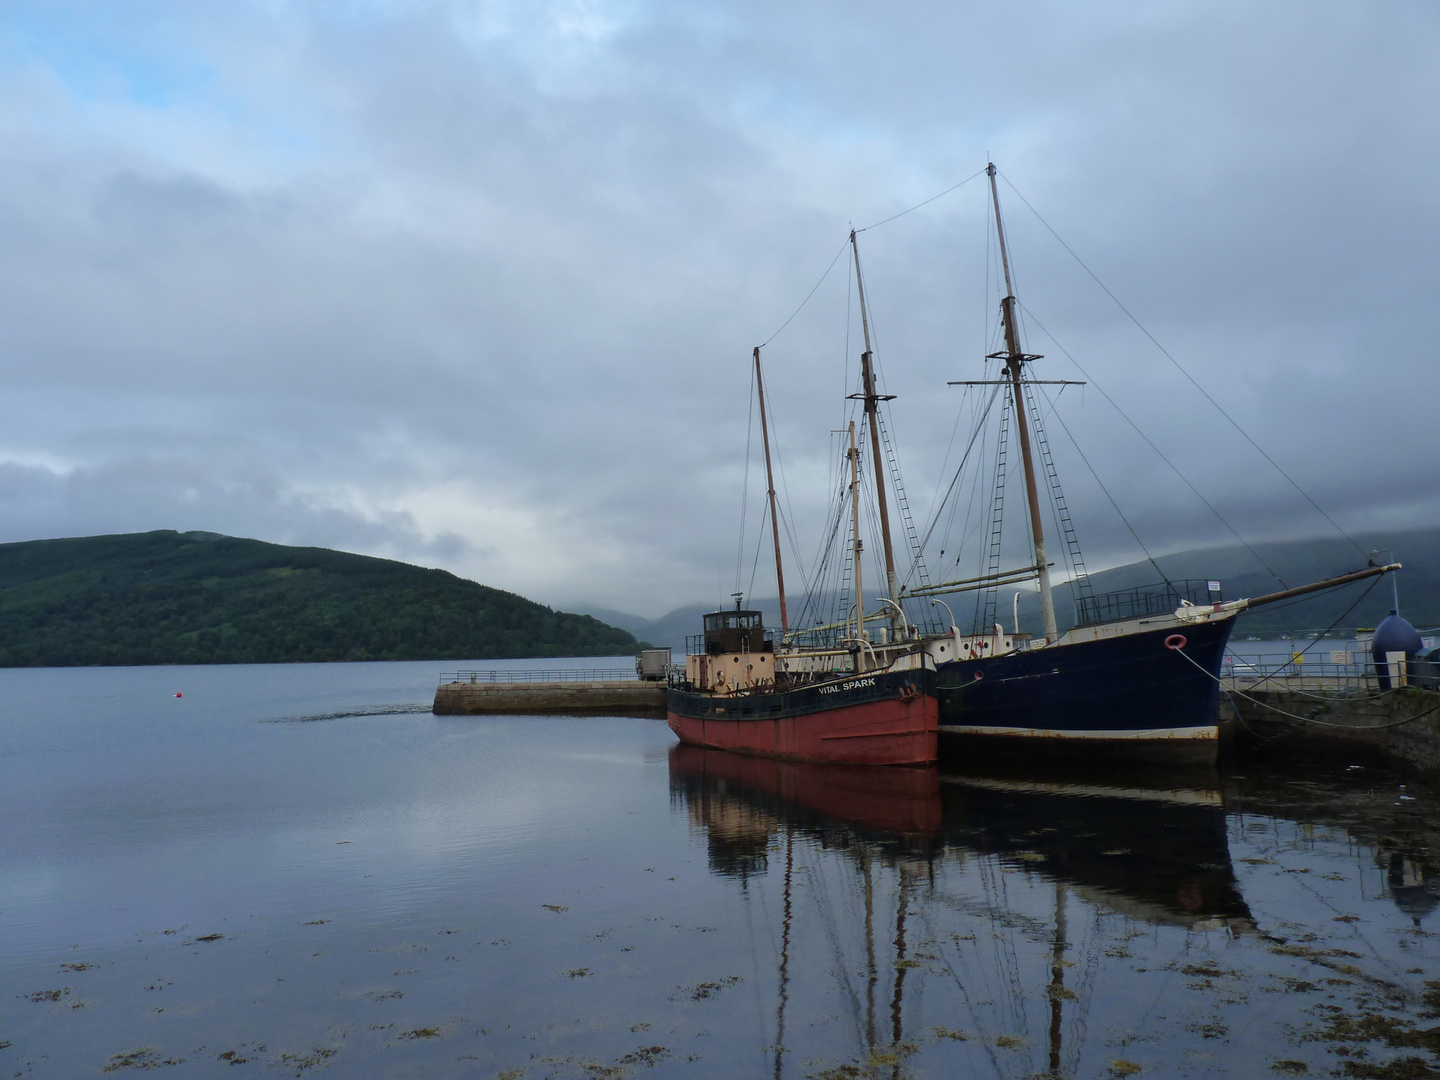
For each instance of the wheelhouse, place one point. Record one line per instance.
(736, 631)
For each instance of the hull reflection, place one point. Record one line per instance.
(1158, 852)
(919, 843)
(741, 800)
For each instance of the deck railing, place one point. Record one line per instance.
(1144, 600)
(571, 675)
(1356, 673)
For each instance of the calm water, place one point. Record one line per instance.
(297, 869)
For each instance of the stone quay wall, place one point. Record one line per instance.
(1403, 725)
(626, 698)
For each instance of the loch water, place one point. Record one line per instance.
(298, 870)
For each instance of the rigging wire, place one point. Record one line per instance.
(759, 543)
(964, 459)
(977, 420)
(937, 503)
(1150, 443)
(972, 511)
(808, 295)
(787, 515)
(890, 462)
(918, 205)
(745, 483)
(1190, 378)
(1114, 505)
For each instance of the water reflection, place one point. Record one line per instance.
(888, 819)
(1410, 884)
(1156, 853)
(549, 897)
(742, 802)
(1391, 815)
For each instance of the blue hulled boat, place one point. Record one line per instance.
(1138, 675)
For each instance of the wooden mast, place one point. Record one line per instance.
(854, 456)
(770, 485)
(870, 397)
(1014, 359)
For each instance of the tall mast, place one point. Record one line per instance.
(854, 456)
(1014, 359)
(770, 485)
(870, 397)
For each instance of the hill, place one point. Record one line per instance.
(1298, 562)
(1237, 570)
(671, 629)
(201, 598)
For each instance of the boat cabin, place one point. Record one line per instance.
(735, 652)
(735, 631)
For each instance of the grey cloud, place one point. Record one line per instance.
(509, 260)
(155, 493)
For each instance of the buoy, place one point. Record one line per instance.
(1394, 634)
(178, 694)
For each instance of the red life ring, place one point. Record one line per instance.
(1175, 641)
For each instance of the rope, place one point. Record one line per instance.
(808, 295)
(927, 202)
(1116, 506)
(1165, 353)
(1343, 616)
(1159, 453)
(1236, 710)
(745, 485)
(1306, 719)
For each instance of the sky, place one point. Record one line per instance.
(475, 284)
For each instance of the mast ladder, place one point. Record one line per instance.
(997, 515)
(912, 535)
(847, 569)
(1080, 586)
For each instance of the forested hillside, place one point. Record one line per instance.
(201, 598)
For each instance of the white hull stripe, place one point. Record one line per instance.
(1179, 797)
(1207, 732)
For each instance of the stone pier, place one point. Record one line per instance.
(1403, 724)
(623, 697)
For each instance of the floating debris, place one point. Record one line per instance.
(146, 1057)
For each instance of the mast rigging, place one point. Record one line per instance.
(1014, 361)
(770, 487)
(871, 399)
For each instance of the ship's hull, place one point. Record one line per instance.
(881, 804)
(878, 718)
(1126, 695)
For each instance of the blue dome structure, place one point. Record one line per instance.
(1394, 634)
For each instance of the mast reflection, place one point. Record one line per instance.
(875, 878)
(1156, 851)
(741, 801)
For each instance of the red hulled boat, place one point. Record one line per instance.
(734, 698)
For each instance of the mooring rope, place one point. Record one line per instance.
(1180, 649)
(1323, 634)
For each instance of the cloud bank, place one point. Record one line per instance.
(475, 284)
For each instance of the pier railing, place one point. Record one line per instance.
(1356, 673)
(570, 675)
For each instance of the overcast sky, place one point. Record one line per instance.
(475, 284)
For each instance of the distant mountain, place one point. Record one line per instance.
(1239, 572)
(667, 631)
(671, 629)
(202, 598)
(1297, 563)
